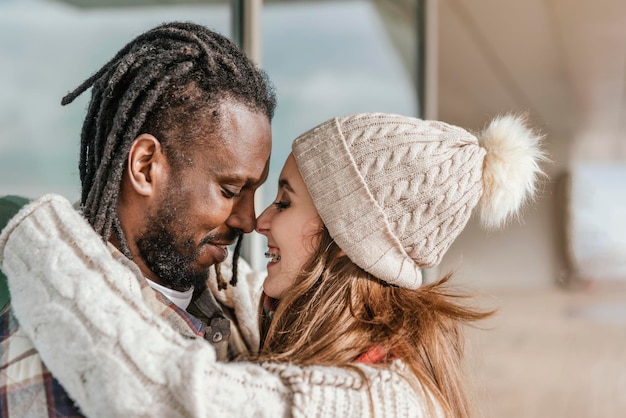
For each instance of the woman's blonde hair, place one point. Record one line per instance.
(336, 311)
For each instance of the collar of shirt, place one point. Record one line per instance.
(180, 299)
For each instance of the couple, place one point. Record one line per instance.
(347, 328)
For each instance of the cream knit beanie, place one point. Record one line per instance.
(395, 191)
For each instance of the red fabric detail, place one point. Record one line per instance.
(374, 355)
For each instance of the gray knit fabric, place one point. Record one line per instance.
(393, 191)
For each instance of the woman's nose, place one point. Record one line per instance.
(263, 221)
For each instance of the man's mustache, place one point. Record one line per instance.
(230, 237)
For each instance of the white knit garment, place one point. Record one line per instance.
(85, 314)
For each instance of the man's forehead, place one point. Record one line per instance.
(242, 160)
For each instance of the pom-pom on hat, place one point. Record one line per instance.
(395, 191)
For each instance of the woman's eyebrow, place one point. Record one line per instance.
(284, 184)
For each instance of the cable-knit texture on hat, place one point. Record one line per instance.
(393, 191)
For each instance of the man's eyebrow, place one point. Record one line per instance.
(242, 179)
(283, 183)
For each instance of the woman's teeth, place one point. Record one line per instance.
(274, 257)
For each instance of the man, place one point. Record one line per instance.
(174, 145)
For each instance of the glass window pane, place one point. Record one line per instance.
(47, 48)
(332, 58)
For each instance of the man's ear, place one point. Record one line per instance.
(147, 165)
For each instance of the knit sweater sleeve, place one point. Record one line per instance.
(84, 312)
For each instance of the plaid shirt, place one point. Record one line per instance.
(27, 389)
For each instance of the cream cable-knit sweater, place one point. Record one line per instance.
(85, 314)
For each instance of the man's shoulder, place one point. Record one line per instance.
(9, 206)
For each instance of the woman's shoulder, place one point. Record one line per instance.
(353, 376)
(358, 390)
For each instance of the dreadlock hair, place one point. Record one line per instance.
(158, 84)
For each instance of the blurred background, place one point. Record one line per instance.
(557, 276)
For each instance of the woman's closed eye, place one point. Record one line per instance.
(282, 204)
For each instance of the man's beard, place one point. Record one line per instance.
(170, 259)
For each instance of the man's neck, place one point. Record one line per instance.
(178, 297)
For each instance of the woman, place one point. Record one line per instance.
(348, 328)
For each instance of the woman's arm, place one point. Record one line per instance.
(84, 312)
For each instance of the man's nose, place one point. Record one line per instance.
(243, 216)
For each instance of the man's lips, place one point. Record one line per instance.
(221, 244)
(219, 249)
(218, 242)
(224, 239)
